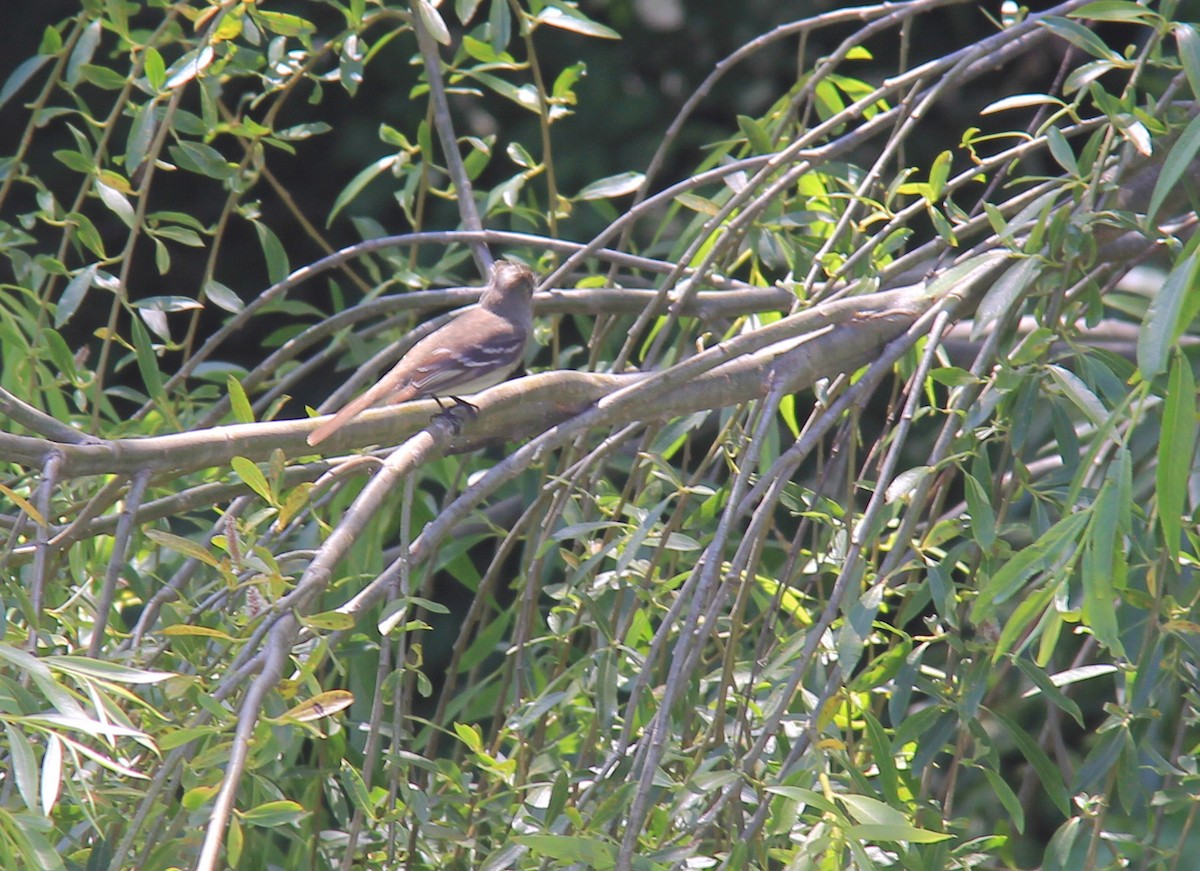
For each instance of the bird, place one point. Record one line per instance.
(474, 350)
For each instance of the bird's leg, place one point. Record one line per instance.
(451, 414)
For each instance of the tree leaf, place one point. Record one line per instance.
(1161, 326)
(253, 477)
(612, 186)
(74, 294)
(1176, 447)
(18, 77)
(243, 412)
(1182, 153)
(360, 181)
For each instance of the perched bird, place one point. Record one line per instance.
(471, 352)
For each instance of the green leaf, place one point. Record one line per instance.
(1039, 556)
(253, 477)
(465, 10)
(564, 83)
(871, 811)
(24, 765)
(222, 296)
(18, 77)
(433, 22)
(612, 186)
(87, 233)
(1182, 153)
(328, 620)
(117, 204)
(155, 68)
(1081, 396)
(1103, 539)
(85, 48)
(82, 666)
(499, 26)
(141, 135)
(242, 410)
(202, 159)
(189, 66)
(983, 518)
(999, 301)
(283, 23)
(1020, 101)
(904, 833)
(356, 788)
(1008, 798)
(1115, 10)
(167, 304)
(73, 294)
(182, 235)
(185, 546)
(148, 363)
(360, 181)
(1188, 41)
(1048, 686)
(1061, 151)
(469, 736)
(52, 41)
(1080, 37)
(323, 704)
(276, 256)
(1161, 327)
(756, 135)
(52, 767)
(274, 813)
(939, 173)
(1046, 770)
(569, 18)
(1176, 448)
(588, 852)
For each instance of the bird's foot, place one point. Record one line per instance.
(452, 414)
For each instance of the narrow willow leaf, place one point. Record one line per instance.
(189, 66)
(185, 546)
(273, 813)
(82, 666)
(356, 789)
(324, 704)
(1188, 41)
(148, 363)
(24, 765)
(1007, 797)
(1042, 554)
(223, 297)
(612, 186)
(433, 22)
(52, 768)
(117, 204)
(1176, 447)
(1046, 770)
(253, 477)
(983, 518)
(85, 49)
(243, 412)
(273, 251)
(360, 181)
(1183, 151)
(903, 833)
(1080, 37)
(1081, 396)
(1160, 326)
(570, 18)
(18, 77)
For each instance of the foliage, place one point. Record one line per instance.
(934, 612)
